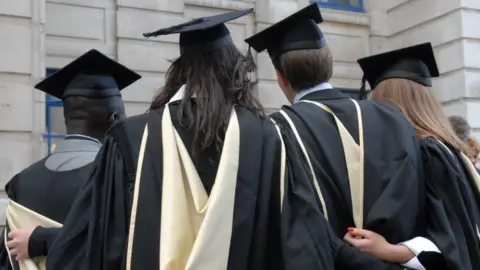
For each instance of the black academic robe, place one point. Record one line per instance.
(49, 193)
(266, 234)
(96, 231)
(393, 189)
(453, 204)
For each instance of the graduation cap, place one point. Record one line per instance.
(299, 31)
(91, 75)
(203, 34)
(416, 63)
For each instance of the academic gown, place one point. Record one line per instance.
(393, 189)
(272, 221)
(48, 187)
(97, 232)
(453, 214)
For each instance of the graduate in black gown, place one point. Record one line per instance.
(90, 89)
(362, 156)
(188, 185)
(403, 77)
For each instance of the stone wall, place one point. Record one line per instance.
(452, 28)
(21, 65)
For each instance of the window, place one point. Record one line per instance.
(55, 124)
(348, 5)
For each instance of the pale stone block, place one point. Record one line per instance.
(472, 82)
(473, 111)
(271, 11)
(132, 23)
(419, 12)
(16, 107)
(472, 4)
(63, 50)
(270, 95)
(144, 89)
(347, 48)
(147, 56)
(3, 209)
(75, 21)
(15, 49)
(160, 5)
(239, 34)
(15, 155)
(457, 107)
(438, 31)
(21, 8)
(450, 86)
(471, 22)
(223, 4)
(347, 70)
(136, 108)
(378, 44)
(265, 69)
(449, 56)
(471, 49)
(379, 23)
(346, 17)
(383, 5)
(345, 29)
(85, 3)
(346, 83)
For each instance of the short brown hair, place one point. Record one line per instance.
(306, 68)
(419, 105)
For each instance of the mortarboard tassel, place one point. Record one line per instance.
(250, 61)
(363, 92)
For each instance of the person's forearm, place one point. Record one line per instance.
(398, 254)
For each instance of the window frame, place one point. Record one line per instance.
(51, 102)
(344, 7)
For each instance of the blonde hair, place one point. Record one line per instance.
(474, 148)
(419, 105)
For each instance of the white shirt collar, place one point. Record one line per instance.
(304, 92)
(179, 95)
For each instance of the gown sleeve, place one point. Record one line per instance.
(4, 257)
(447, 219)
(41, 240)
(308, 240)
(95, 230)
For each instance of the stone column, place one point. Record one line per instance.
(21, 66)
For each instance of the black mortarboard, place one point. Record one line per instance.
(299, 31)
(416, 63)
(203, 34)
(91, 75)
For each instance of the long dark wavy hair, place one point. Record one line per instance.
(219, 80)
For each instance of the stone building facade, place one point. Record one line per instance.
(41, 35)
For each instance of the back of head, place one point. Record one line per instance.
(460, 126)
(419, 105)
(306, 68)
(218, 80)
(92, 114)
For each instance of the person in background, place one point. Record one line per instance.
(451, 236)
(362, 157)
(460, 126)
(90, 89)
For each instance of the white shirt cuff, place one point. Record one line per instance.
(418, 245)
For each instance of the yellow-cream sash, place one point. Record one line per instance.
(283, 159)
(470, 170)
(196, 229)
(309, 163)
(20, 217)
(354, 159)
